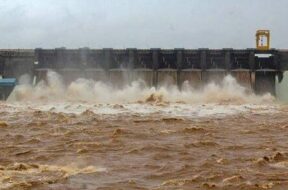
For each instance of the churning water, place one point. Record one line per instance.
(90, 135)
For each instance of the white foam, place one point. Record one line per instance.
(170, 110)
(226, 98)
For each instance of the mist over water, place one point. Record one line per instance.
(85, 90)
(281, 89)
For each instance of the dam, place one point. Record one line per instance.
(253, 68)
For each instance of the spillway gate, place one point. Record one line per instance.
(255, 69)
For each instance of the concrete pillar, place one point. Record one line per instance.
(277, 63)
(40, 72)
(265, 82)
(276, 60)
(203, 58)
(155, 60)
(252, 59)
(203, 63)
(283, 60)
(107, 58)
(84, 57)
(2, 64)
(179, 61)
(38, 56)
(227, 58)
(252, 67)
(60, 58)
(132, 53)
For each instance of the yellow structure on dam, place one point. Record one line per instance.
(263, 39)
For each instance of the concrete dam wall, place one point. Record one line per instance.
(257, 70)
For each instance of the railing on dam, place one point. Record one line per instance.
(252, 68)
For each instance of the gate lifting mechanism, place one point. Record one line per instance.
(263, 39)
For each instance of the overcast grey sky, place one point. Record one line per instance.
(141, 23)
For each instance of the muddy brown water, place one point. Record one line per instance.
(48, 150)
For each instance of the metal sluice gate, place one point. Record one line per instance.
(253, 68)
